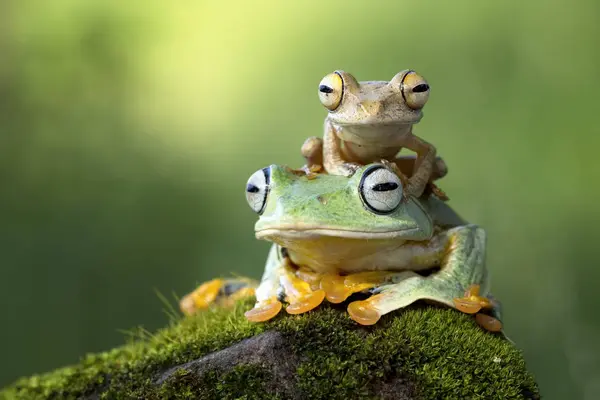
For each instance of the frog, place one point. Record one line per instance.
(334, 237)
(372, 120)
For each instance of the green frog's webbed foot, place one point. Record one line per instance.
(473, 303)
(338, 288)
(282, 283)
(223, 292)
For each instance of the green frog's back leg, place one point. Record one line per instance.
(462, 267)
(220, 291)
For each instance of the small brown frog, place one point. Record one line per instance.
(371, 121)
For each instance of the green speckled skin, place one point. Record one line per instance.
(332, 202)
(324, 227)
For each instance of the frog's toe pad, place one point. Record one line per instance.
(335, 289)
(488, 323)
(363, 312)
(264, 312)
(187, 305)
(306, 303)
(467, 305)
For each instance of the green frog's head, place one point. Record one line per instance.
(369, 205)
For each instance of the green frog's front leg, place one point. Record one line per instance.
(281, 282)
(461, 255)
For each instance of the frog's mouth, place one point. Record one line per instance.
(294, 232)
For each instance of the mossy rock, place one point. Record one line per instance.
(421, 352)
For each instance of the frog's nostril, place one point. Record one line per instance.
(371, 107)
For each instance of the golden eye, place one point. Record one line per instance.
(331, 90)
(415, 90)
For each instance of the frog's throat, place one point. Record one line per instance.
(295, 233)
(378, 135)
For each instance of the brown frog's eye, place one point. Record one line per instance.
(415, 90)
(331, 90)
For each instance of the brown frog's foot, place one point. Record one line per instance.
(338, 288)
(434, 189)
(472, 302)
(309, 171)
(264, 311)
(346, 169)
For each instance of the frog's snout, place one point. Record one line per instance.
(371, 107)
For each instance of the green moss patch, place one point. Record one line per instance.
(418, 353)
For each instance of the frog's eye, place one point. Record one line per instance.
(331, 90)
(380, 190)
(257, 189)
(415, 90)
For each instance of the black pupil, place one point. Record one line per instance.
(423, 87)
(251, 188)
(384, 187)
(325, 89)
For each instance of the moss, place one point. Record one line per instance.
(438, 353)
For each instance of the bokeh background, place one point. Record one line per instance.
(128, 130)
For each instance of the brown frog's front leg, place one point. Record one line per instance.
(333, 161)
(424, 164)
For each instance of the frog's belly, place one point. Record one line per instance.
(337, 255)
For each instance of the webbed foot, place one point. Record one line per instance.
(283, 282)
(298, 293)
(339, 288)
(364, 312)
(472, 302)
(488, 322)
(222, 292)
(346, 169)
(264, 310)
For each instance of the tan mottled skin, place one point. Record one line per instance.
(373, 122)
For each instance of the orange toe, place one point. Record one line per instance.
(306, 303)
(488, 323)
(363, 312)
(335, 290)
(264, 312)
(187, 306)
(467, 305)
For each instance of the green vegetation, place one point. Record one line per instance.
(437, 353)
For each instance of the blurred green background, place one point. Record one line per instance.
(128, 130)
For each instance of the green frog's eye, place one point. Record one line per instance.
(331, 91)
(380, 190)
(257, 189)
(415, 90)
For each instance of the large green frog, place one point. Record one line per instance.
(334, 236)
